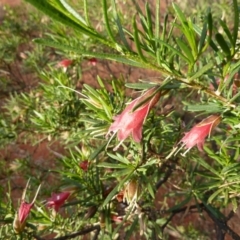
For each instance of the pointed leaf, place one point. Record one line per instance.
(186, 50)
(72, 11)
(174, 50)
(226, 30)
(105, 14)
(204, 69)
(119, 25)
(210, 107)
(214, 195)
(236, 21)
(207, 166)
(202, 37)
(149, 20)
(53, 12)
(136, 39)
(222, 43)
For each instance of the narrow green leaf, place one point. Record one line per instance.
(235, 167)
(139, 10)
(210, 30)
(150, 189)
(210, 107)
(180, 14)
(174, 50)
(222, 43)
(163, 35)
(202, 37)
(140, 86)
(226, 30)
(119, 25)
(72, 12)
(106, 20)
(157, 22)
(207, 175)
(58, 15)
(93, 92)
(163, 38)
(119, 158)
(204, 69)
(40, 116)
(236, 22)
(85, 4)
(236, 96)
(121, 173)
(214, 195)
(210, 25)
(234, 204)
(170, 33)
(136, 40)
(111, 165)
(186, 50)
(144, 26)
(181, 204)
(207, 166)
(149, 20)
(97, 152)
(192, 38)
(187, 29)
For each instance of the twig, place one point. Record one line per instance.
(222, 227)
(176, 211)
(73, 235)
(165, 178)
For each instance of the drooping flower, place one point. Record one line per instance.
(197, 135)
(57, 200)
(131, 120)
(84, 165)
(23, 211)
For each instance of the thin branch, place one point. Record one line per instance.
(222, 227)
(176, 211)
(79, 233)
(165, 178)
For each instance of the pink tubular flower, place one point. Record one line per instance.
(57, 200)
(197, 135)
(84, 165)
(23, 211)
(131, 120)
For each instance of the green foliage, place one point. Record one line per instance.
(121, 187)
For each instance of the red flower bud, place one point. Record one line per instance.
(23, 211)
(93, 61)
(84, 165)
(57, 200)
